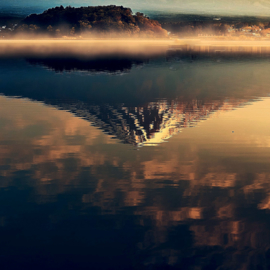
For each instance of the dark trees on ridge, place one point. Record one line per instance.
(102, 20)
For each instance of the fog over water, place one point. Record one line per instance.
(24, 45)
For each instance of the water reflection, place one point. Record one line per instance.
(117, 63)
(74, 196)
(151, 124)
(199, 201)
(165, 78)
(110, 65)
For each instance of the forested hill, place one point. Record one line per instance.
(104, 20)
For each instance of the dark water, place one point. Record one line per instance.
(135, 162)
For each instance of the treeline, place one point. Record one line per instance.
(101, 20)
(195, 28)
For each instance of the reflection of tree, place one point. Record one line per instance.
(109, 65)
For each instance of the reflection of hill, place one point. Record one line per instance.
(125, 111)
(202, 78)
(121, 63)
(109, 65)
(150, 124)
(133, 122)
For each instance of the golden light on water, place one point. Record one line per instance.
(75, 141)
(147, 47)
(240, 134)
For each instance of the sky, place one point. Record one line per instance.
(226, 7)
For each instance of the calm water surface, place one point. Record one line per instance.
(135, 163)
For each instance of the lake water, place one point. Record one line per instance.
(119, 162)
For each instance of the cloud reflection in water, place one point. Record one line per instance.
(75, 192)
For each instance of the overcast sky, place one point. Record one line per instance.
(234, 7)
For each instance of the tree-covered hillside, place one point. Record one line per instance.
(101, 20)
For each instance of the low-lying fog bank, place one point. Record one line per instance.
(82, 48)
(143, 47)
